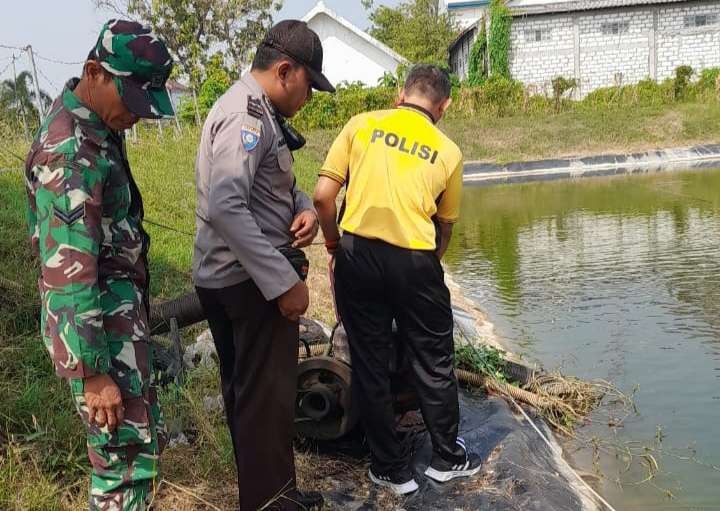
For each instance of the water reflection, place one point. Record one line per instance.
(616, 278)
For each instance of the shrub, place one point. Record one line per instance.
(334, 110)
(503, 94)
(218, 81)
(560, 86)
(682, 82)
(708, 79)
(645, 93)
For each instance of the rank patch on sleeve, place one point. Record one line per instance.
(250, 137)
(255, 108)
(70, 217)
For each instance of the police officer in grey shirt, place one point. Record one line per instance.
(247, 269)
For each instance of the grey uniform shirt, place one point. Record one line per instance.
(247, 197)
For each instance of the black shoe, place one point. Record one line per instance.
(310, 500)
(443, 471)
(399, 481)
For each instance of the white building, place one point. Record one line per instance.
(466, 12)
(350, 54)
(603, 43)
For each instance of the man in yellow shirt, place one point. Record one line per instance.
(404, 183)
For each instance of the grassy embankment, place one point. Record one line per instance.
(42, 456)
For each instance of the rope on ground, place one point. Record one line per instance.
(188, 492)
(186, 233)
(167, 227)
(10, 284)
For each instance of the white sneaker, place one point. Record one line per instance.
(400, 483)
(443, 471)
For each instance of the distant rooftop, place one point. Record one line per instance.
(522, 7)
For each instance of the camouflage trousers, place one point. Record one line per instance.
(125, 462)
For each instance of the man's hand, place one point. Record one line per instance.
(305, 228)
(104, 402)
(294, 301)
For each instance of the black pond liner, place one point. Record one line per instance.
(522, 473)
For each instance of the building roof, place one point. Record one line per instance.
(461, 4)
(461, 36)
(530, 7)
(320, 8)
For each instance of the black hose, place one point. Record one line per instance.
(518, 372)
(186, 310)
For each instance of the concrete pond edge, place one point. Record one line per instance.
(703, 156)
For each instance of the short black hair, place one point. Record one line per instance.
(430, 81)
(265, 57)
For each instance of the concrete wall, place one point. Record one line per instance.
(542, 47)
(347, 56)
(615, 46)
(608, 47)
(678, 45)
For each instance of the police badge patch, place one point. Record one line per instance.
(250, 137)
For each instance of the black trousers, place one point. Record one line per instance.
(374, 283)
(257, 348)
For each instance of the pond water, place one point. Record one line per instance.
(613, 278)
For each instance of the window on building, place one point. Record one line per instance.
(615, 28)
(537, 35)
(700, 20)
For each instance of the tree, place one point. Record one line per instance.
(193, 29)
(18, 100)
(416, 29)
(216, 82)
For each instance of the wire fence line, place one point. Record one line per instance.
(48, 80)
(38, 65)
(56, 61)
(7, 47)
(2, 72)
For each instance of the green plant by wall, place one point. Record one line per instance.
(477, 65)
(334, 110)
(560, 86)
(709, 78)
(499, 44)
(682, 81)
(503, 94)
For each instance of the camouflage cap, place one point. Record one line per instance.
(141, 65)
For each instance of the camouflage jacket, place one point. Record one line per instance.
(85, 219)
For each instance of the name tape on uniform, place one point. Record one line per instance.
(424, 152)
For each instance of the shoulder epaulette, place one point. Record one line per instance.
(255, 108)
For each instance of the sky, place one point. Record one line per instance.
(65, 30)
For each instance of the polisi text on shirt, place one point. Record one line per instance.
(423, 152)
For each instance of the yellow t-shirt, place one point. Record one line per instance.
(400, 170)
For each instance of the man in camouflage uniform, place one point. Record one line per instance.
(85, 217)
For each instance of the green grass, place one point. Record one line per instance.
(42, 454)
(585, 132)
